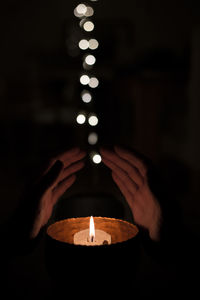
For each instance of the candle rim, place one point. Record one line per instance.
(51, 230)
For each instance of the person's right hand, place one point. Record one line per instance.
(57, 178)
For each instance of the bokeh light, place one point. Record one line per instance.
(93, 120)
(83, 44)
(80, 10)
(96, 158)
(92, 138)
(90, 59)
(89, 12)
(93, 44)
(81, 118)
(88, 26)
(84, 79)
(86, 96)
(93, 82)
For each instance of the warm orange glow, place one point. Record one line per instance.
(92, 229)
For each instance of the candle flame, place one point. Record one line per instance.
(92, 229)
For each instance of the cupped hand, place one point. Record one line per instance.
(130, 174)
(57, 178)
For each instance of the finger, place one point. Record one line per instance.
(62, 187)
(131, 185)
(51, 177)
(71, 156)
(71, 169)
(74, 158)
(68, 157)
(128, 196)
(67, 154)
(125, 165)
(133, 159)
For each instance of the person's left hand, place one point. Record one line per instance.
(130, 175)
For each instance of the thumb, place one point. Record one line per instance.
(52, 175)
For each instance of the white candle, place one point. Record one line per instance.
(92, 237)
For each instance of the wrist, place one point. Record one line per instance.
(155, 228)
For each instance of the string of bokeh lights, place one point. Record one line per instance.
(84, 13)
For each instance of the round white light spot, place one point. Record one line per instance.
(83, 44)
(93, 82)
(90, 60)
(84, 79)
(93, 44)
(80, 119)
(93, 120)
(88, 26)
(86, 96)
(81, 9)
(96, 158)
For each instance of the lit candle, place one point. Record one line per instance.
(92, 237)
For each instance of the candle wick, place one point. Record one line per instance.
(92, 238)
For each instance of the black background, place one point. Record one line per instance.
(148, 64)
